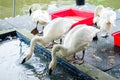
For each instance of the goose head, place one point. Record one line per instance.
(53, 62)
(52, 66)
(26, 58)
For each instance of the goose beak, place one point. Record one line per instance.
(24, 60)
(95, 25)
(30, 11)
(50, 71)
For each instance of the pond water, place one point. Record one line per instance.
(11, 52)
(22, 6)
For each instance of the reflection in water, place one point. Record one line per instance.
(11, 52)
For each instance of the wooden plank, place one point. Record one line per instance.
(93, 72)
(6, 31)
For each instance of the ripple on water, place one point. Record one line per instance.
(36, 68)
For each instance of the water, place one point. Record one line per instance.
(11, 52)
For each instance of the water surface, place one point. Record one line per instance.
(11, 54)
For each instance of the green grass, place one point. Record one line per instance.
(22, 6)
(107, 3)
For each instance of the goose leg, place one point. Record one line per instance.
(71, 58)
(51, 45)
(81, 60)
(105, 36)
(83, 55)
(76, 58)
(60, 40)
(42, 30)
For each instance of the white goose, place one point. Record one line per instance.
(76, 40)
(55, 29)
(106, 21)
(34, 7)
(97, 12)
(104, 18)
(41, 17)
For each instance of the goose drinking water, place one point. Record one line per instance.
(77, 39)
(55, 29)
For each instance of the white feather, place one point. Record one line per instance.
(35, 7)
(41, 16)
(55, 29)
(105, 18)
(76, 40)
